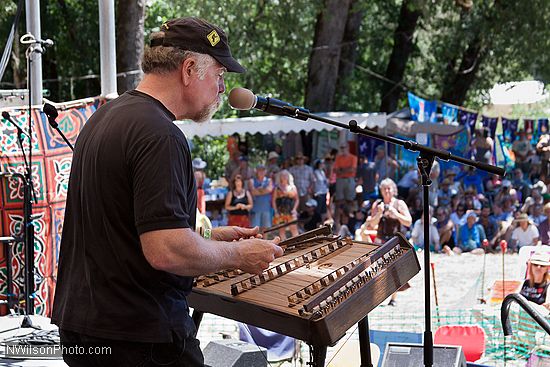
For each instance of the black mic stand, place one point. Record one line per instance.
(51, 113)
(425, 161)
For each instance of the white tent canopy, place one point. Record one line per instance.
(275, 124)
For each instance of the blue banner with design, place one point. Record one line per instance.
(468, 119)
(509, 129)
(491, 124)
(422, 110)
(450, 114)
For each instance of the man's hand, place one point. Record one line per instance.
(256, 254)
(233, 233)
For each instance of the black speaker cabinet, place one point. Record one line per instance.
(412, 355)
(234, 353)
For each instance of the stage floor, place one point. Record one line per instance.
(11, 333)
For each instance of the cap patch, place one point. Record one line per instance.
(213, 37)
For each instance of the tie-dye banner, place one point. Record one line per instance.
(528, 125)
(422, 110)
(509, 129)
(468, 119)
(491, 124)
(542, 126)
(458, 144)
(51, 165)
(450, 114)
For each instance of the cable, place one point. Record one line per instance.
(344, 343)
(9, 42)
(251, 337)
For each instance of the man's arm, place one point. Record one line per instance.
(183, 252)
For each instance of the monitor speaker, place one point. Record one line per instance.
(234, 353)
(412, 355)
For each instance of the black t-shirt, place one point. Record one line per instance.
(131, 173)
(536, 293)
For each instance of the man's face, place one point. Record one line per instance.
(485, 212)
(207, 92)
(260, 173)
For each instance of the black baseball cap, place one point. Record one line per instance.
(194, 34)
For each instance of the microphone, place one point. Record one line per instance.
(51, 112)
(6, 116)
(244, 99)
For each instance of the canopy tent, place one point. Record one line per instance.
(274, 124)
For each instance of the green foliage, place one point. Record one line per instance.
(212, 150)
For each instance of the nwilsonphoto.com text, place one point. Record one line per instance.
(53, 351)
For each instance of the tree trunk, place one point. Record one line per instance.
(130, 20)
(402, 48)
(348, 55)
(458, 83)
(325, 55)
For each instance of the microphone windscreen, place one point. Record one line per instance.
(50, 110)
(241, 99)
(5, 115)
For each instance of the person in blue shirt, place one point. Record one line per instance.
(470, 235)
(471, 178)
(261, 188)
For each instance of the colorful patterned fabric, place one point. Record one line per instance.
(51, 165)
(422, 110)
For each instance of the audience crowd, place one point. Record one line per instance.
(470, 210)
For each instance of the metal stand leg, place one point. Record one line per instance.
(197, 318)
(319, 354)
(364, 343)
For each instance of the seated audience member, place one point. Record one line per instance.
(489, 224)
(471, 178)
(417, 234)
(408, 181)
(310, 217)
(458, 217)
(522, 149)
(525, 233)
(544, 226)
(445, 193)
(446, 229)
(535, 198)
(521, 185)
(535, 287)
(470, 235)
(238, 203)
(537, 216)
(261, 188)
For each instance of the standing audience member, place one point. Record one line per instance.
(407, 182)
(261, 188)
(321, 188)
(303, 179)
(483, 146)
(535, 287)
(470, 235)
(544, 226)
(272, 165)
(367, 177)
(232, 165)
(238, 203)
(525, 234)
(522, 149)
(198, 169)
(285, 203)
(345, 168)
(385, 166)
(243, 170)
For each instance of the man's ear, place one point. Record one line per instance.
(187, 70)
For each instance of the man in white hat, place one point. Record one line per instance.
(272, 164)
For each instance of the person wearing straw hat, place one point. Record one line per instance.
(535, 287)
(525, 234)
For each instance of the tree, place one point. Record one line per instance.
(324, 60)
(402, 48)
(130, 19)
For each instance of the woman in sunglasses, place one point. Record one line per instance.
(535, 287)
